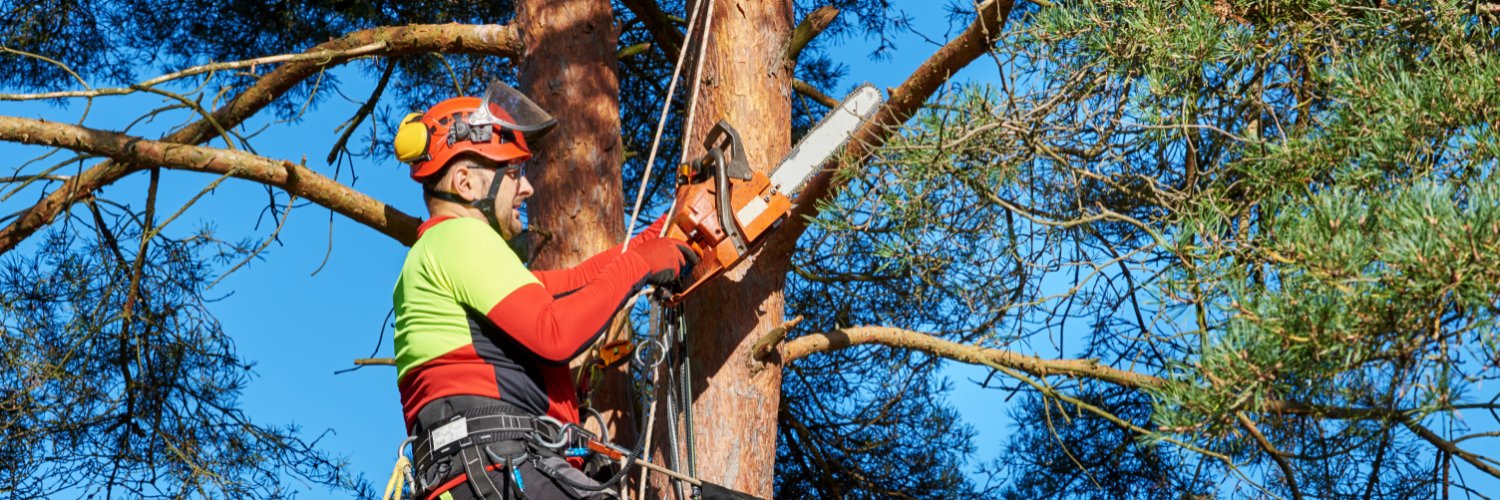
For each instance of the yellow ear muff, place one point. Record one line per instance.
(411, 139)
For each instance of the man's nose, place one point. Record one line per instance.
(526, 190)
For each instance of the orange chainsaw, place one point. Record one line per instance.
(724, 209)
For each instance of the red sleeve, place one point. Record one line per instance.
(560, 282)
(557, 329)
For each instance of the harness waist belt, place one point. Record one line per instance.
(462, 431)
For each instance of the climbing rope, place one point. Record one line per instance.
(401, 475)
(666, 105)
(687, 394)
(667, 323)
(674, 461)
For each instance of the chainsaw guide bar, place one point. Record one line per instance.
(724, 209)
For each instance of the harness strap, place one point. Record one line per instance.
(466, 434)
(475, 460)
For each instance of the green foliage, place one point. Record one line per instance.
(1359, 288)
(1268, 204)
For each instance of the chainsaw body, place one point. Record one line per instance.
(723, 207)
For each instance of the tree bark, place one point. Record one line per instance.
(747, 83)
(569, 69)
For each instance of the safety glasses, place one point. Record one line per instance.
(514, 170)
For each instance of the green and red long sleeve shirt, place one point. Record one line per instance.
(472, 320)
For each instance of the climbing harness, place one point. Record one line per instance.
(477, 437)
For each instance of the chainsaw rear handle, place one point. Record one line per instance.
(726, 208)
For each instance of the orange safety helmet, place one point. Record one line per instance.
(428, 141)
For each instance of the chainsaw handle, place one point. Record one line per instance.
(726, 210)
(724, 137)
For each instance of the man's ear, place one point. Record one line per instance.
(461, 182)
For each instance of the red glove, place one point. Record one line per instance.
(669, 260)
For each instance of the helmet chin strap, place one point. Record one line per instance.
(485, 205)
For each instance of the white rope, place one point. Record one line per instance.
(661, 124)
(697, 77)
(656, 311)
(692, 101)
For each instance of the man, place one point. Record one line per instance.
(482, 343)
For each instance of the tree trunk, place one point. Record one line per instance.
(746, 83)
(569, 70)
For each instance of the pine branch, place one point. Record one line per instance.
(907, 339)
(810, 27)
(445, 38)
(902, 103)
(294, 178)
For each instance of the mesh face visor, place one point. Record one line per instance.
(525, 116)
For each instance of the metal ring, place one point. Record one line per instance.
(401, 450)
(562, 433)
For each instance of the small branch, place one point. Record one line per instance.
(137, 268)
(767, 343)
(1051, 392)
(817, 95)
(47, 60)
(375, 362)
(895, 337)
(1280, 458)
(324, 55)
(633, 50)
(364, 111)
(1450, 448)
(32, 178)
(285, 216)
(810, 27)
(223, 132)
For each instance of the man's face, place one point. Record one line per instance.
(513, 192)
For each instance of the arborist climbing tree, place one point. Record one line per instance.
(482, 344)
